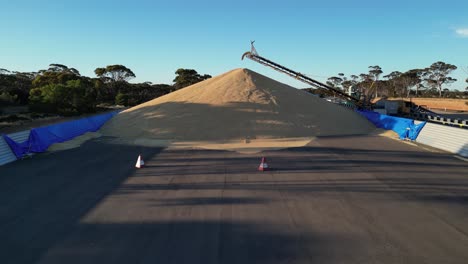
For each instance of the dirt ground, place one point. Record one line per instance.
(439, 103)
(354, 199)
(17, 126)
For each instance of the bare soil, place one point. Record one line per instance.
(439, 103)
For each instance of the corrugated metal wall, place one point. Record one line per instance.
(6, 155)
(447, 138)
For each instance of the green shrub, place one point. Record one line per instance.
(121, 99)
(12, 118)
(74, 97)
(7, 99)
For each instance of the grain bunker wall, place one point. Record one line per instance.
(17, 145)
(6, 155)
(451, 139)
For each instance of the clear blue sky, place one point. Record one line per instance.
(154, 38)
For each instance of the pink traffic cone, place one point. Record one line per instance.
(263, 165)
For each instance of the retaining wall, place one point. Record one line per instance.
(23, 144)
(451, 139)
(6, 155)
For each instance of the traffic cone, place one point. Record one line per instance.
(140, 163)
(263, 165)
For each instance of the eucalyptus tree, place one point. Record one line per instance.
(55, 74)
(335, 82)
(394, 79)
(112, 80)
(375, 72)
(418, 75)
(437, 75)
(115, 73)
(187, 77)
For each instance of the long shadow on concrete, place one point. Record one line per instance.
(200, 242)
(43, 198)
(430, 177)
(89, 205)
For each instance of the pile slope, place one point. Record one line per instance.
(236, 105)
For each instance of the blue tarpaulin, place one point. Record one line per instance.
(41, 138)
(404, 127)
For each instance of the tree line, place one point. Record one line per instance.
(431, 81)
(63, 90)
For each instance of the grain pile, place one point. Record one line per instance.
(239, 105)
